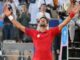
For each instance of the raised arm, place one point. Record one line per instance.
(69, 18)
(7, 12)
(18, 25)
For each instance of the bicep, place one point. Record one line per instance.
(65, 22)
(18, 25)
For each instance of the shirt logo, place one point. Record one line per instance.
(38, 35)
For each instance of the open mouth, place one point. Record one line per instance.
(42, 25)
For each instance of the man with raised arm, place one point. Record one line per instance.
(42, 38)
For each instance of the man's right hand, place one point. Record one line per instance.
(6, 11)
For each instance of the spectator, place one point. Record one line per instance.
(50, 2)
(24, 20)
(43, 12)
(33, 10)
(72, 22)
(78, 21)
(7, 28)
(25, 16)
(53, 11)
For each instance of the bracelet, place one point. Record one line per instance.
(72, 14)
(10, 17)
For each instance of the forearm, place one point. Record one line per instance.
(18, 25)
(65, 22)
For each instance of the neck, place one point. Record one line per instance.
(42, 30)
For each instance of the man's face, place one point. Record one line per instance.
(43, 23)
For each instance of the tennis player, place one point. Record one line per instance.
(42, 38)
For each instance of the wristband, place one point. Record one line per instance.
(72, 14)
(10, 17)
